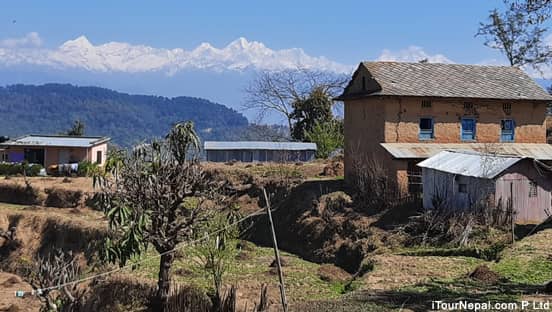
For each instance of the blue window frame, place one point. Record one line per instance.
(426, 129)
(468, 129)
(507, 130)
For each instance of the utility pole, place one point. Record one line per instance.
(276, 253)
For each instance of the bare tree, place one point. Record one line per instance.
(276, 91)
(371, 183)
(519, 31)
(157, 195)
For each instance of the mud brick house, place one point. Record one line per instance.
(466, 180)
(49, 150)
(402, 113)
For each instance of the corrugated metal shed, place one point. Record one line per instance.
(470, 164)
(426, 150)
(55, 141)
(259, 145)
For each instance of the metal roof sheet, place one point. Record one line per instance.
(258, 145)
(56, 140)
(451, 80)
(426, 150)
(471, 164)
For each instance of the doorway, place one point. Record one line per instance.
(34, 155)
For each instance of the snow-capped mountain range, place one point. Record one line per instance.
(80, 53)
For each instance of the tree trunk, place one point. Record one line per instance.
(163, 283)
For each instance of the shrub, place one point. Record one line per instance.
(20, 194)
(31, 170)
(61, 198)
(87, 169)
(93, 202)
(328, 137)
(372, 186)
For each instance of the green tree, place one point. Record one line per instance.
(328, 137)
(518, 32)
(216, 253)
(277, 92)
(307, 112)
(77, 129)
(157, 195)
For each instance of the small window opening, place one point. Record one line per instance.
(533, 189)
(507, 108)
(426, 104)
(462, 188)
(363, 83)
(468, 105)
(99, 157)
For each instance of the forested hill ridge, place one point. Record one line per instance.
(126, 118)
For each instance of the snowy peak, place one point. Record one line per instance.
(80, 42)
(238, 55)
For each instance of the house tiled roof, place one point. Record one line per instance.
(449, 80)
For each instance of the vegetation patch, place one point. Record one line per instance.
(9, 169)
(20, 194)
(528, 260)
(535, 271)
(301, 277)
(490, 253)
(62, 198)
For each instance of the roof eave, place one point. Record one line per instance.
(357, 96)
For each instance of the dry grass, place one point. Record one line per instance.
(307, 170)
(83, 217)
(395, 271)
(42, 183)
(9, 284)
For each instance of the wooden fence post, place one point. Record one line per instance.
(512, 216)
(276, 253)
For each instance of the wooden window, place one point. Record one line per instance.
(533, 189)
(4, 157)
(468, 127)
(507, 129)
(507, 108)
(426, 103)
(462, 188)
(426, 129)
(99, 157)
(414, 175)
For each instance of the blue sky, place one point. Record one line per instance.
(343, 31)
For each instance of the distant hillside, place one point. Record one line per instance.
(127, 119)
